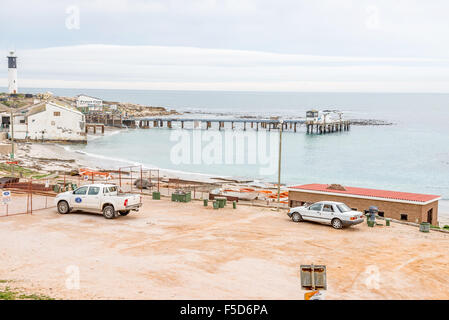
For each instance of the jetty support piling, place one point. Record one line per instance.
(311, 126)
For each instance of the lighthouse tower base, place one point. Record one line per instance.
(12, 81)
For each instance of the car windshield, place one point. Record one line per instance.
(343, 208)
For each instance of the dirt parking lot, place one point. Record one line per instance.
(186, 251)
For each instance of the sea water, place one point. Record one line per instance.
(411, 155)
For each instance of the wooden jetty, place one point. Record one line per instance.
(108, 119)
(202, 123)
(318, 122)
(95, 126)
(323, 127)
(244, 124)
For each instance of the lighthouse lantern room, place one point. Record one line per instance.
(12, 73)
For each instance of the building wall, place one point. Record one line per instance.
(415, 212)
(67, 126)
(20, 127)
(20, 131)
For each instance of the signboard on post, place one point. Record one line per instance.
(313, 277)
(6, 196)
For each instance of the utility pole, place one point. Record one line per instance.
(279, 162)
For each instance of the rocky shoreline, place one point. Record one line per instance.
(370, 122)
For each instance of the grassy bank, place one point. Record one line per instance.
(7, 293)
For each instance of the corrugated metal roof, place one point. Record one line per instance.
(3, 107)
(373, 193)
(64, 105)
(37, 109)
(40, 107)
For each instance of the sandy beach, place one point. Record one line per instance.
(51, 157)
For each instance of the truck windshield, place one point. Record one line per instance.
(343, 208)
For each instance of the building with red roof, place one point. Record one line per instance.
(413, 207)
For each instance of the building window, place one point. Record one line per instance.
(57, 114)
(404, 216)
(52, 123)
(22, 121)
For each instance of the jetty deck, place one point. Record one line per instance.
(312, 126)
(232, 123)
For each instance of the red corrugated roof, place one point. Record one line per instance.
(396, 195)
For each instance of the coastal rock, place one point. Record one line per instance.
(370, 122)
(143, 183)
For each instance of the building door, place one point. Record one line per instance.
(429, 216)
(327, 213)
(296, 203)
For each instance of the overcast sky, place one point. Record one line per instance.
(284, 45)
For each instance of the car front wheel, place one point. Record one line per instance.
(296, 217)
(63, 207)
(336, 224)
(109, 212)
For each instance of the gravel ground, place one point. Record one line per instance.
(185, 251)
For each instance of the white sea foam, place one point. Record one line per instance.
(115, 162)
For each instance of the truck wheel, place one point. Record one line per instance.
(124, 212)
(109, 212)
(336, 223)
(63, 207)
(296, 217)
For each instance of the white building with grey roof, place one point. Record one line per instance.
(50, 121)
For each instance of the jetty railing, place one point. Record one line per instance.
(293, 125)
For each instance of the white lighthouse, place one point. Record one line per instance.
(12, 72)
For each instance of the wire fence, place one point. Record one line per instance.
(25, 197)
(133, 179)
(29, 195)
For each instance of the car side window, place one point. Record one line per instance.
(93, 191)
(316, 207)
(80, 191)
(328, 208)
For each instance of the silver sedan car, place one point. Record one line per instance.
(336, 214)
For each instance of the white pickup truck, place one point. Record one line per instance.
(337, 214)
(103, 198)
